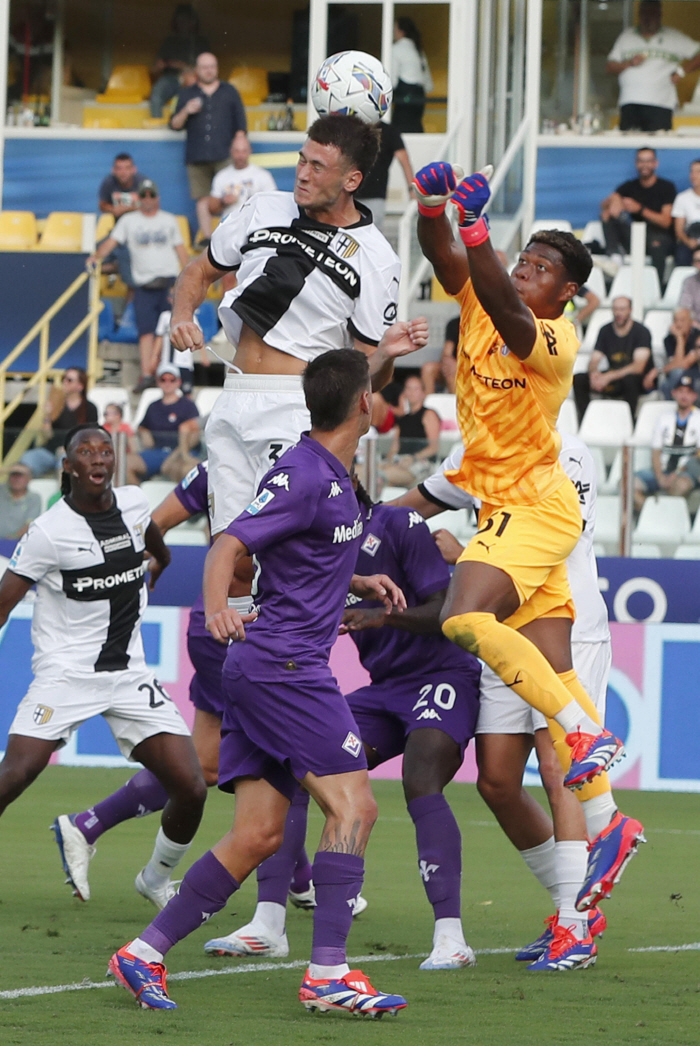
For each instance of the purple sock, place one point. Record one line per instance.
(302, 873)
(204, 891)
(275, 874)
(338, 881)
(142, 794)
(439, 853)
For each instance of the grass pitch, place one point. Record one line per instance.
(49, 938)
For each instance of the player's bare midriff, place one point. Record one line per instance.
(253, 356)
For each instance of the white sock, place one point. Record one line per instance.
(599, 812)
(270, 916)
(328, 973)
(570, 863)
(540, 861)
(572, 718)
(242, 604)
(144, 951)
(165, 857)
(451, 928)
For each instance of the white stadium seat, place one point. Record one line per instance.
(622, 286)
(598, 549)
(598, 319)
(693, 538)
(607, 523)
(596, 282)
(687, 552)
(156, 490)
(389, 493)
(664, 520)
(45, 488)
(645, 551)
(658, 321)
(542, 224)
(612, 484)
(606, 423)
(567, 422)
(647, 417)
(186, 535)
(445, 406)
(675, 285)
(461, 523)
(205, 400)
(593, 230)
(601, 472)
(103, 395)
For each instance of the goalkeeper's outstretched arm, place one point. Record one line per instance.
(446, 254)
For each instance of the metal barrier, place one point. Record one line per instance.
(46, 371)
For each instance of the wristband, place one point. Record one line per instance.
(431, 212)
(473, 235)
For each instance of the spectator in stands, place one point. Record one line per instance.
(168, 433)
(212, 113)
(118, 194)
(682, 345)
(649, 60)
(157, 254)
(240, 180)
(410, 75)
(372, 192)
(686, 217)
(673, 471)
(114, 422)
(647, 199)
(416, 438)
(178, 52)
(690, 292)
(18, 504)
(444, 369)
(619, 361)
(62, 412)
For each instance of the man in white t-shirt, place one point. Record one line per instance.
(649, 60)
(686, 217)
(235, 184)
(165, 353)
(157, 254)
(673, 471)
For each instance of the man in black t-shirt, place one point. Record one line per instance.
(372, 192)
(619, 361)
(648, 199)
(444, 369)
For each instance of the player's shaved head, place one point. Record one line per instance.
(333, 383)
(575, 258)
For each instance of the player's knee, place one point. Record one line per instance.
(190, 790)
(210, 775)
(265, 841)
(461, 629)
(497, 789)
(14, 779)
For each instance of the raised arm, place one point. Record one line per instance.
(434, 186)
(400, 339)
(189, 292)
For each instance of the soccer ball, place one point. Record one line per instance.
(352, 83)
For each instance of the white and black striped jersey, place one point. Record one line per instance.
(305, 287)
(89, 571)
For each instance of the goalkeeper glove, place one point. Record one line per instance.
(434, 186)
(470, 197)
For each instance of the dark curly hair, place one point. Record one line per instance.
(575, 258)
(90, 426)
(357, 141)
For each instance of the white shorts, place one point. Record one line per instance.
(133, 702)
(501, 711)
(255, 419)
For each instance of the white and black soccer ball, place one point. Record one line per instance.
(353, 83)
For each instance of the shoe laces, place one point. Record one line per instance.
(359, 982)
(581, 746)
(563, 940)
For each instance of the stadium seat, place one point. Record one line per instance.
(148, 396)
(562, 224)
(184, 224)
(596, 282)
(205, 399)
(598, 319)
(622, 286)
(389, 493)
(593, 231)
(606, 423)
(647, 416)
(567, 422)
(445, 406)
(127, 85)
(675, 285)
(460, 523)
(251, 83)
(187, 535)
(45, 488)
(105, 224)
(687, 552)
(693, 538)
(612, 484)
(664, 520)
(601, 471)
(18, 231)
(598, 549)
(641, 550)
(607, 523)
(63, 232)
(102, 395)
(156, 490)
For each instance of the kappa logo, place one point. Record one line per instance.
(280, 480)
(414, 519)
(426, 870)
(352, 744)
(371, 544)
(42, 714)
(336, 490)
(352, 902)
(430, 713)
(206, 916)
(263, 498)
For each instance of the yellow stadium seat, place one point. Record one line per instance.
(185, 230)
(127, 84)
(63, 232)
(105, 224)
(18, 231)
(251, 83)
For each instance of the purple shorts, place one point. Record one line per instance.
(282, 730)
(207, 657)
(387, 712)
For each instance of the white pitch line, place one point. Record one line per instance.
(266, 967)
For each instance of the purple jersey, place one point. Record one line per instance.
(397, 542)
(303, 529)
(191, 492)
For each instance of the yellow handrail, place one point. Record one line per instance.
(45, 319)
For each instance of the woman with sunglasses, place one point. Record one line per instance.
(60, 415)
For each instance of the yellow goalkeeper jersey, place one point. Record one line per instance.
(507, 407)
